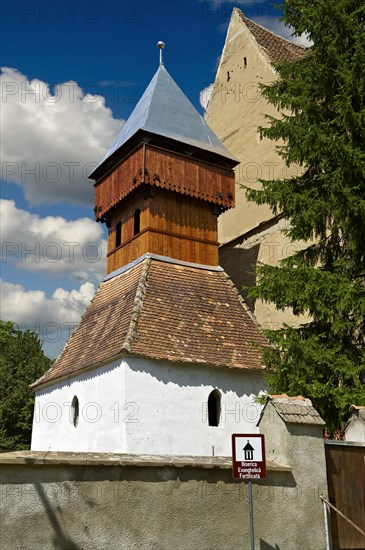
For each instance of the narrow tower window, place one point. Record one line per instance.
(118, 234)
(75, 411)
(214, 408)
(137, 221)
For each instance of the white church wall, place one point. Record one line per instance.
(140, 406)
(355, 429)
(101, 397)
(170, 407)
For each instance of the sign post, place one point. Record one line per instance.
(250, 504)
(248, 456)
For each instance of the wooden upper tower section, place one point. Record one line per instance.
(164, 181)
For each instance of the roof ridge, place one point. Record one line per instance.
(137, 307)
(155, 79)
(241, 299)
(244, 17)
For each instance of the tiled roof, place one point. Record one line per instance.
(277, 48)
(167, 311)
(296, 410)
(357, 410)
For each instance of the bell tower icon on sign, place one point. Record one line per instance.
(248, 450)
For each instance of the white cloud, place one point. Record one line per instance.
(52, 139)
(32, 309)
(205, 95)
(54, 319)
(52, 244)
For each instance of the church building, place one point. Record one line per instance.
(251, 233)
(166, 358)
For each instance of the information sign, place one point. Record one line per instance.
(248, 455)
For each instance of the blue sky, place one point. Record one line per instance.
(72, 72)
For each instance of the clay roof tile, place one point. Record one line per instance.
(163, 311)
(277, 48)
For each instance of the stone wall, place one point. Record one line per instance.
(103, 501)
(239, 258)
(163, 507)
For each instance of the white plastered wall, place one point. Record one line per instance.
(101, 395)
(140, 406)
(355, 430)
(172, 407)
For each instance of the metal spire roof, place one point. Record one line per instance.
(165, 110)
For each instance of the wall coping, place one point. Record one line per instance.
(345, 443)
(118, 459)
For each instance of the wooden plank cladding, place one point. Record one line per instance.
(189, 176)
(167, 170)
(189, 251)
(119, 183)
(170, 225)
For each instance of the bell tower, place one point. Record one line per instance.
(164, 181)
(166, 328)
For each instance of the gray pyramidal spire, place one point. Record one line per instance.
(165, 110)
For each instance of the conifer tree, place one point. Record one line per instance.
(321, 101)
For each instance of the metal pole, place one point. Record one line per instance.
(342, 515)
(328, 540)
(252, 534)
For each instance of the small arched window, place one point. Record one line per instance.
(118, 234)
(214, 408)
(75, 411)
(137, 221)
